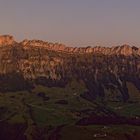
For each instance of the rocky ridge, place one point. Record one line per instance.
(118, 50)
(6, 40)
(126, 50)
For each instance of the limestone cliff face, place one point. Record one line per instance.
(6, 40)
(36, 58)
(31, 62)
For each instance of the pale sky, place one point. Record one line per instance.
(73, 22)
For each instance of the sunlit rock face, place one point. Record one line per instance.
(36, 58)
(125, 50)
(99, 67)
(6, 40)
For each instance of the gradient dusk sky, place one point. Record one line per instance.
(73, 22)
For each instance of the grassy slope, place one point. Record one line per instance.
(25, 107)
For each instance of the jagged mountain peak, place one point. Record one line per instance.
(6, 40)
(126, 50)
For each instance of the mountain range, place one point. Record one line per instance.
(52, 64)
(49, 91)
